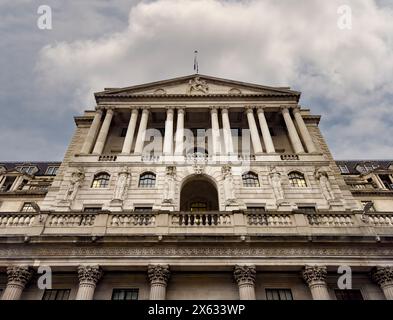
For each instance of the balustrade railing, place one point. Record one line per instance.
(380, 220)
(17, 220)
(71, 220)
(202, 219)
(331, 220)
(132, 219)
(265, 219)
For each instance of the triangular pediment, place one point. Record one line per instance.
(197, 85)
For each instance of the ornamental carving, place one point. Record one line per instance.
(90, 274)
(275, 181)
(198, 85)
(323, 179)
(76, 179)
(121, 185)
(312, 274)
(229, 192)
(244, 274)
(382, 275)
(158, 273)
(20, 275)
(169, 185)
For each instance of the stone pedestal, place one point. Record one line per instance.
(315, 276)
(158, 277)
(88, 279)
(383, 276)
(245, 278)
(18, 277)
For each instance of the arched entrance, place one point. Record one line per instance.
(199, 194)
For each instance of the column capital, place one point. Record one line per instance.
(89, 274)
(180, 110)
(224, 108)
(110, 110)
(245, 274)
(383, 276)
(99, 109)
(249, 109)
(296, 109)
(19, 275)
(314, 274)
(214, 109)
(284, 108)
(261, 109)
(134, 110)
(158, 273)
(170, 108)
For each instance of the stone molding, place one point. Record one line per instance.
(245, 274)
(314, 274)
(89, 274)
(158, 274)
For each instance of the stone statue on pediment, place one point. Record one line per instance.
(121, 185)
(169, 185)
(229, 192)
(323, 178)
(198, 85)
(76, 179)
(275, 181)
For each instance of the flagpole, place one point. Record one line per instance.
(196, 66)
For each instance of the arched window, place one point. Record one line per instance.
(147, 180)
(101, 180)
(250, 179)
(296, 179)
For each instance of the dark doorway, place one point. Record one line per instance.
(199, 194)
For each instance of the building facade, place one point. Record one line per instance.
(197, 188)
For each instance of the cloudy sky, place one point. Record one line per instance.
(48, 76)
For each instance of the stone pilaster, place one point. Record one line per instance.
(18, 277)
(158, 276)
(88, 279)
(315, 276)
(383, 276)
(245, 278)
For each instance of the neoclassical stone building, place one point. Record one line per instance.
(197, 188)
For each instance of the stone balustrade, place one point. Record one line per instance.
(167, 222)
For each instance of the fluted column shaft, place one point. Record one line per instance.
(130, 132)
(92, 133)
(140, 139)
(18, 277)
(215, 131)
(179, 132)
(158, 276)
(383, 276)
(304, 131)
(245, 278)
(88, 279)
(256, 141)
(293, 135)
(168, 138)
(227, 131)
(101, 139)
(266, 136)
(315, 276)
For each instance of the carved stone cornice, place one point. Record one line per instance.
(158, 273)
(19, 275)
(383, 276)
(245, 274)
(89, 274)
(314, 274)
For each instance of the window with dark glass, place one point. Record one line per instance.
(387, 182)
(296, 179)
(56, 294)
(92, 209)
(198, 206)
(147, 180)
(307, 209)
(125, 294)
(256, 209)
(9, 181)
(348, 294)
(143, 209)
(51, 171)
(101, 180)
(250, 179)
(279, 294)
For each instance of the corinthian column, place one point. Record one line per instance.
(304, 131)
(227, 131)
(293, 136)
(215, 131)
(179, 132)
(88, 279)
(158, 276)
(18, 277)
(383, 276)
(256, 141)
(315, 276)
(130, 132)
(168, 138)
(101, 139)
(92, 132)
(267, 137)
(140, 138)
(245, 278)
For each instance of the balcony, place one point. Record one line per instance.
(232, 224)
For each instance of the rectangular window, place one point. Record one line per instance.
(279, 294)
(308, 209)
(343, 168)
(353, 294)
(9, 181)
(125, 294)
(27, 207)
(256, 209)
(26, 169)
(92, 209)
(51, 171)
(56, 294)
(143, 209)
